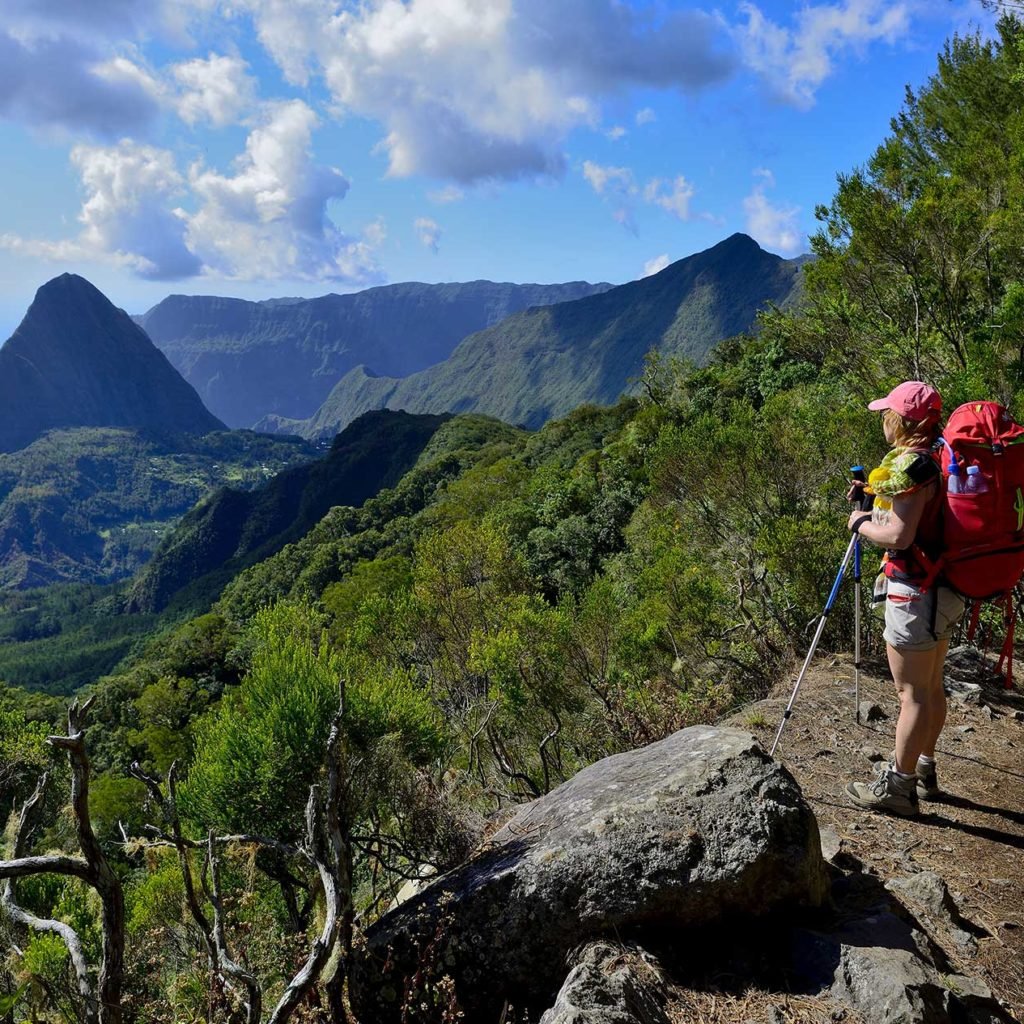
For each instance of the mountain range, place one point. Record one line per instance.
(248, 360)
(78, 361)
(107, 446)
(543, 362)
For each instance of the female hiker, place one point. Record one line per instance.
(917, 625)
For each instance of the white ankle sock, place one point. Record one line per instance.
(925, 760)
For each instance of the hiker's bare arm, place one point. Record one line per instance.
(900, 530)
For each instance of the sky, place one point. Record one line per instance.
(263, 148)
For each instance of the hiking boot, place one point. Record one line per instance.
(887, 793)
(927, 780)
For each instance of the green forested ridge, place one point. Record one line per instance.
(540, 364)
(249, 360)
(521, 604)
(234, 528)
(92, 504)
(60, 638)
(77, 361)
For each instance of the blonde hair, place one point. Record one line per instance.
(911, 433)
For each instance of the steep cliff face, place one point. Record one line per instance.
(542, 363)
(78, 361)
(281, 358)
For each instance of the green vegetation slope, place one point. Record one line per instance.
(542, 363)
(252, 359)
(235, 528)
(92, 504)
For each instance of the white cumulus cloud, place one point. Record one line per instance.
(603, 179)
(776, 227)
(269, 218)
(476, 89)
(645, 116)
(673, 196)
(795, 61)
(217, 89)
(127, 217)
(619, 187)
(428, 232)
(656, 265)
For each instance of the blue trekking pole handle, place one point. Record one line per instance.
(823, 619)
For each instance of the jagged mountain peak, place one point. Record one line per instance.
(76, 360)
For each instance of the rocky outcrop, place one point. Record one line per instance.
(880, 964)
(928, 893)
(700, 827)
(610, 984)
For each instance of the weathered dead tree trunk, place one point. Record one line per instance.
(326, 847)
(326, 850)
(235, 971)
(102, 1004)
(23, 866)
(229, 974)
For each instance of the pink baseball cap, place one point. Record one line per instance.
(911, 399)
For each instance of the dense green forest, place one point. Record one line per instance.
(519, 604)
(91, 504)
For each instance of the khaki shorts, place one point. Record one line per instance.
(916, 621)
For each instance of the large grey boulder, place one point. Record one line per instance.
(698, 827)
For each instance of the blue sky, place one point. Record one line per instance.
(295, 147)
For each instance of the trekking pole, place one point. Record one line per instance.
(853, 546)
(857, 472)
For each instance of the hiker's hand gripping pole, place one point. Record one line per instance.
(854, 546)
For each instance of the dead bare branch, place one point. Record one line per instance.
(247, 980)
(328, 848)
(10, 870)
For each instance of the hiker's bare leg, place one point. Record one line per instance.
(914, 674)
(937, 717)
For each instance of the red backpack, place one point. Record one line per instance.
(983, 531)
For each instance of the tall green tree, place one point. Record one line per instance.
(919, 261)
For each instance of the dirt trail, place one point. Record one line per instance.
(973, 837)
